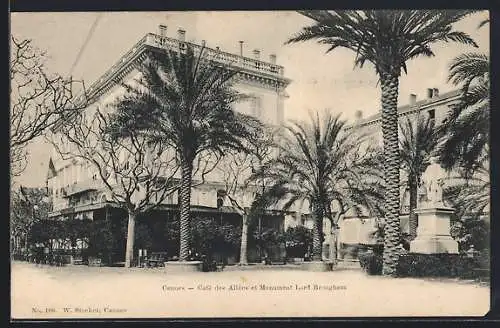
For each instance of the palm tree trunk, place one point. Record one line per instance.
(334, 249)
(129, 249)
(244, 240)
(317, 233)
(390, 87)
(413, 219)
(185, 202)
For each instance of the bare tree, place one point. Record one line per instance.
(236, 169)
(138, 173)
(38, 99)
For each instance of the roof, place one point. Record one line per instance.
(447, 96)
(151, 41)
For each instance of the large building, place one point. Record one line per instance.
(355, 230)
(78, 192)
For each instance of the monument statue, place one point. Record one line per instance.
(433, 232)
(433, 181)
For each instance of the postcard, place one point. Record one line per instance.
(249, 164)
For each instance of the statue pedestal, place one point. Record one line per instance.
(433, 233)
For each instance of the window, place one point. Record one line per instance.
(432, 114)
(256, 106)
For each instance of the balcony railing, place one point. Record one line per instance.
(217, 55)
(154, 40)
(79, 187)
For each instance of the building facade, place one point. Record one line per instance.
(354, 230)
(78, 191)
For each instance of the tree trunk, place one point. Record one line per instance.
(185, 206)
(413, 218)
(334, 249)
(317, 251)
(390, 84)
(129, 249)
(244, 240)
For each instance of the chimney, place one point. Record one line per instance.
(217, 48)
(429, 93)
(358, 115)
(181, 35)
(203, 43)
(272, 58)
(256, 54)
(163, 30)
(241, 48)
(413, 99)
(435, 92)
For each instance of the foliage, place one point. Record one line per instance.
(387, 39)
(371, 262)
(468, 124)
(134, 171)
(104, 238)
(417, 145)
(185, 99)
(267, 238)
(46, 229)
(320, 162)
(436, 265)
(172, 235)
(297, 240)
(470, 196)
(27, 207)
(471, 231)
(143, 236)
(75, 229)
(209, 237)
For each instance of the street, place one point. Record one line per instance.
(102, 292)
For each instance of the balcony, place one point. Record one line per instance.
(226, 58)
(80, 187)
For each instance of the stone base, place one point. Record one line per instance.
(317, 266)
(434, 245)
(183, 266)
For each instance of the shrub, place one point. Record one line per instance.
(267, 239)
(297, 241)
(371, 262)
(470, 231)
(436, 265)
(210, 237)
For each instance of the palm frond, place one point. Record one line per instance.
(386, 38)
(189, 98)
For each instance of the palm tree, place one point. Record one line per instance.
(467, 128)
(186, 99)
(417, 144)
(320, 162)
(471, 194)
(468, 125)
(387, 39)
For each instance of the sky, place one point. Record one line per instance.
(319, 81)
